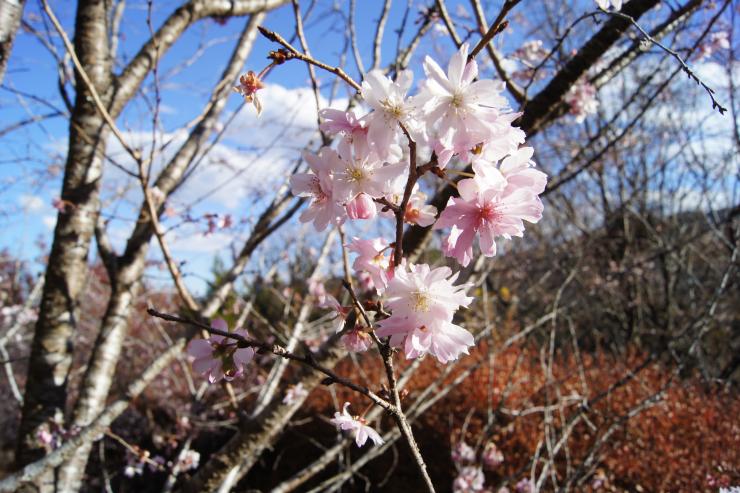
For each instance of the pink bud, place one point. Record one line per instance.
(361, 207)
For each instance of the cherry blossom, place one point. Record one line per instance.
(489, 206)
(357, 426)
(419, 212)
(462, 453)
(524, 486)
(361, 207)
(356, 340)
(357, 173)
(469, 480)
(581, 97)
(492, 457)
(295, 393)
(391, 108)
(340, 312)
(372, 259)
(456, 105)
(249, 84)
(317, 186)
(219, 356)
(423, 302)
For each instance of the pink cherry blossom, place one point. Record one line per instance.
(581, 98)
(356, 340)
(518, 169)
(323, 209)
(340, 312)
(419, 212)
(352, 129)
(391, 108)
(492, 457)
(487, 207)
(455, 104)
(531, 52)
(357, 172)
(524, 486)
(373, 258)
(317, 289)
(295, 393)
(423, 302)
(249, 84)
(357, 426)
(361, 207)
(463, 453)
(469, 480)
(219, 356)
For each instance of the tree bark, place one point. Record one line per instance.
(66, 273)
(11, 12)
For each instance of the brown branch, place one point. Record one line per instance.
(293, 53)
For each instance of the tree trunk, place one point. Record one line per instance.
(126, 280)
(11, 12)
(66, 273)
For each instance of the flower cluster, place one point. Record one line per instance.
(470, 477)
(452, 118)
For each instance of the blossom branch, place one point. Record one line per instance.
(277, 350)
(294, 53)
(684, 66)
(498, 26)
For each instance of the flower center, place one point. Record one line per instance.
(393, 110)
(457, 100)
(355, 174)
(420, 301)
(488, 213)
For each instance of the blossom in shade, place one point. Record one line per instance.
(340, 312)
(219, 356)
(390, 105)
(357, 426)
(581, 98)
(372, 259)
(423, 302)
(492, 457)
(361, 207)
(317, 289)
(317, 185)
(457, 106)
(356, 340)
(249, 84)
(605, 4)
(489, 208)
(470, 479)
(524, 486)
(295, 393)
(463, 453)
(189, 460)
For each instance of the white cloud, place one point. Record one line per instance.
(31, 203)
